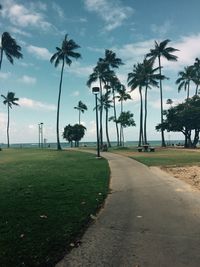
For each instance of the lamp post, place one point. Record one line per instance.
(95, 91)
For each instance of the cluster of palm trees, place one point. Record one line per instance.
(143, 76)
(110, 89)
(11, 50)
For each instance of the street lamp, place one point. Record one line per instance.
(40, 125)
(95, 91)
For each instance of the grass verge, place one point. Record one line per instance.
(46, 198)
(163, 156)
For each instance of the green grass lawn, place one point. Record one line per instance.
(163, 156)
(46, 199)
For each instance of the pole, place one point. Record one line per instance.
(97, 126)
(39, 135)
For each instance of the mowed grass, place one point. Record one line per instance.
(163, 156)
(46, 199)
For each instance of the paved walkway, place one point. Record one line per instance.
(149, 220)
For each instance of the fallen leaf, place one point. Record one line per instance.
(43, 216)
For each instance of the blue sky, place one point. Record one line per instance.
(128, 27)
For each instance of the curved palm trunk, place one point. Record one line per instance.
(196, 91)
(1, 57)
(188, 90)
(161, 105)
(58, 108)
(141, 140)
(101, 116)
(121, 128)
(115, 116)
(8, 125)
(79, 117)
(107, 135)
(145, 116)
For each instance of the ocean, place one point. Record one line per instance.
(154, 143)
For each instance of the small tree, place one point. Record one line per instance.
(126, 120)
(74, 133)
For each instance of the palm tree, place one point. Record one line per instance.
(81, 107)
(162, 50)
(185, 78)
(123, 96)
(100, 74)
(150, 77)
(10, 47)
(63, 56)
(111, 59)
(105, 103)
(9, 100)
(135, 80)
(196, 78)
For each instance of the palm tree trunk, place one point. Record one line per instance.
(58, 107)
(8, 125)
(196, 91)
(161, 105)
(141, 139)
(145, 116)
(1, 57)
(101, 116)
(188, 90)
(115, 116)
(107, 135)
(79, 117)
(120, 142)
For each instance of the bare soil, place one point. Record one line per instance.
(189, 174)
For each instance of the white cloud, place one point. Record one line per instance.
(22, 16)
(76, 93)
(163, 29)
(58, 10)
(113, 13)
(37, 105)
(81, 71)
(27, 79)
(5, 75)
(18, 31)
(39, 52)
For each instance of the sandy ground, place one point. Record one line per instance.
(189, 174)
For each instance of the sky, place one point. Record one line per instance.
(129, 28)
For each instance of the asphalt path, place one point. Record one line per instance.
(150, 219)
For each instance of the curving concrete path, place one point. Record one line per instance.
(150, 220)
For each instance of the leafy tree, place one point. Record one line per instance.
(126, 120)
(162, 50)
(81, 107)
(9, 100)
(64, 56)
(10, 48)
(184, 118)
(74, 133)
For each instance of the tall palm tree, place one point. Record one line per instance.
(196, 78)
(81, 107)
(135, 80)
(122, 96)
(185, 77)
(9, 100)
(150, 78)
(10, 47)
(63, 56)
(111, 59)
(162, 50)
(105, 103)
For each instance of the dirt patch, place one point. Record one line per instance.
(189, 174)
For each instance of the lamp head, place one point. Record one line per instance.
(95, 90)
